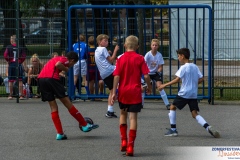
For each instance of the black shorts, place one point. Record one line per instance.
(109, 81)
(131, 107)
(50, 87)
(156, 77)
(180, 103)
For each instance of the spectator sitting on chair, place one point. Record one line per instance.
(33, 73)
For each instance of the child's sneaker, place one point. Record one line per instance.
(22, 97)
(213, 132)
(110, 115)
(61, 137)
(10, 97)
(89, 127)
(171, 132)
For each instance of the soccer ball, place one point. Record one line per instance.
(88, 120)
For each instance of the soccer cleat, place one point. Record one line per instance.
(89, 127)
(171, 133)
(110, 115)
(22, 97)
(168, 107)
(129, 151)
(123, 147)
(61, 137)
(10, 97)
(213, 132)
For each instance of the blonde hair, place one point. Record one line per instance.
(100, 37)
(35, 56)
(131, 42)
(156, 41)
(91, 40)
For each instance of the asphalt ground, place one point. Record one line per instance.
(27, 131)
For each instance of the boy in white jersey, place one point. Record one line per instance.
(190, 76)
(104, 64)
(155, 63)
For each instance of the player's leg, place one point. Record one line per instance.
(179, 103)
(76, 75)
(163, 95)
(109, 82)
(193, 105)
(123, 129)
(101, 86)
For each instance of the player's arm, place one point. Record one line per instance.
(115, 85)
(200, 80)
(29, 75)
(61, 67)
(112, 58)
(160, 68)
(176, 80)
(147, 80)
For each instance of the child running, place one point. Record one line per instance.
(104, 63)
(190, 76)
(51, 86)
(155, 63)
(133, 65)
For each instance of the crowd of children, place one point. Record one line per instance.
(128, 78)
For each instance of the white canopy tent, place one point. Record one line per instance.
(194, 34)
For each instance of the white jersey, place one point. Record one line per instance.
(153, 62)
(189, 74)
(105, 68)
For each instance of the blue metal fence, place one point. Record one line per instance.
(188, 26)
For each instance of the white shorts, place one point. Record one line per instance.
(83, 68)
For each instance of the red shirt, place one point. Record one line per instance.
(50, 70)
(130, 67)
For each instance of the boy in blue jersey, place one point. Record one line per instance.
(80, 47)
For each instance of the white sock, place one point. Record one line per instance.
(172, 117)
(143, 96)
(110, 108)
(164, 97)
(201, 120)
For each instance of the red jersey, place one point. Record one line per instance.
(130, 67)
(50, 70)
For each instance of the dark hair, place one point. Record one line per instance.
(184, 51)
(72, 55)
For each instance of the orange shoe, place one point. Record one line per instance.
(129, 150)
(123, 147)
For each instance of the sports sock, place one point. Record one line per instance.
(77, 115)
(123, 131)
(143, 96)
(202, 121)
(110, 108)
(132, 136)
(164, 97)
(172, 118)
(57, 122)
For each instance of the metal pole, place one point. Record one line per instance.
(212, 80)
(17, 48)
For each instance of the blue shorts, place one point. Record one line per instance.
(12, 72)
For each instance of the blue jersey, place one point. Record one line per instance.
(81, 51)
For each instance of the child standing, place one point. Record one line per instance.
(92, 69)
(155, 63)
(190, 76)
(50, 87)
(104, 63)
(80, 47)
(133, 65)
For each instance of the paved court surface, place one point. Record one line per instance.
(27, 131)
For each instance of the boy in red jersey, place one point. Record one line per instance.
(133, 65)
(51, 86)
